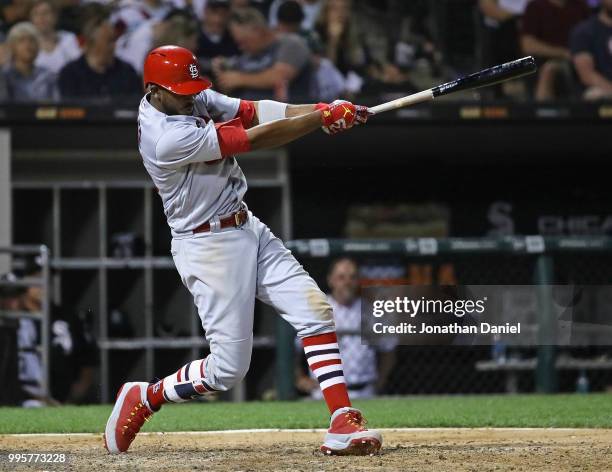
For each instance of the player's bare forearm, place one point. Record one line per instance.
(280, 132)
(590, 77)
(299, 110)
(292, 111)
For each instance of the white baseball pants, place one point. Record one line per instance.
(225, 271)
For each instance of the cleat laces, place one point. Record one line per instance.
(138, 416)
(355, 419)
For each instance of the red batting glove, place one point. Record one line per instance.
(337, 116)
(362, 114)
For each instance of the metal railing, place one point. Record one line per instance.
(513, 260)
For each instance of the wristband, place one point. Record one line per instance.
(269, 110)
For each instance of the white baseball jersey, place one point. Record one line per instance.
(224, 269)
(182, 155)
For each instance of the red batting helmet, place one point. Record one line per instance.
(175, 69)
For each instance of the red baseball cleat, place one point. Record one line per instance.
(348, 436)
(129, 414)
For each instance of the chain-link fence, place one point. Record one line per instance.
(506, 261)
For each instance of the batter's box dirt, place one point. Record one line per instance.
(477, 450)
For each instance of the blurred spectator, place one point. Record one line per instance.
(24, 80)
(10, 394)
(13, 11)
(28, 341)
(311, 10)
(98, 73)
(545, 34)
(399, 51)
(500, 41)
(178, 28)
(338, 30)
(591, 44)
(132, 13)
(366, 368)
(73, 350)
(270, 64)
(290, 21)
(57, 48)
(214, 38)
(362, 57)
(342, 44)
(327, 83)
(501, 20)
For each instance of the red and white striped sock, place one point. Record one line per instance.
(185, 384)
(323, 356)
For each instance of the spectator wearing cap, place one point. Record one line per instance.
(591, 44)
(311, 10)
(98, 73)
(25, 81)
(270, 64)
(57, 48)
(214, 39)
(545, 34)
(178, 28)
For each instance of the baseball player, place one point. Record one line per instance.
(188, 137)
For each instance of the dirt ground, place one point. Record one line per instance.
(414, 450)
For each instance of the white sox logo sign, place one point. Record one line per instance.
(193, 71)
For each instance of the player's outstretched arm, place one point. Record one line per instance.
(280, 132)
(335, 117)
(268, 110)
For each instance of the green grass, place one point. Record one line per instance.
(580, 411)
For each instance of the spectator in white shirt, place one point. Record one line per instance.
(130, 14)
(178, 28)
(57, 47)
(366, 368)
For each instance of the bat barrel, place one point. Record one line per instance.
(491, 76)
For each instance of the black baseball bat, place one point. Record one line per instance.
(484, 78)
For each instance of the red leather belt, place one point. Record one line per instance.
(235, 220)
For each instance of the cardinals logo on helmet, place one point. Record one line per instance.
(193, 71)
